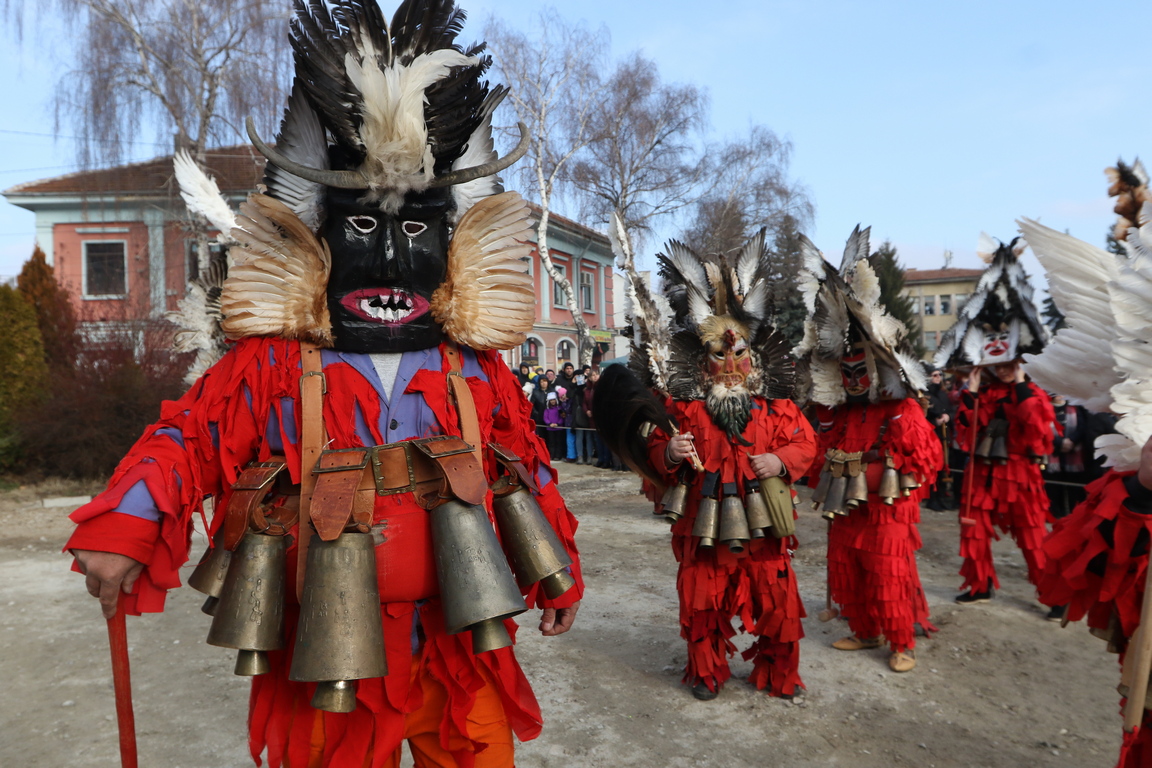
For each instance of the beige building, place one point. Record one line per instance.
(937, 294)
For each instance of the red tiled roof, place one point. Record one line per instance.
(934, 275)
(236, 169)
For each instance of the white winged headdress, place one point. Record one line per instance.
(845, 313)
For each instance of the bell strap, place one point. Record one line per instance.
(248, 493)
(465, 405)
(312, 388)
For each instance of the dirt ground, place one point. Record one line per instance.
(998, 686)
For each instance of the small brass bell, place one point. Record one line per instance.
(208, 577)
(834, 504)
(707, 525)
(674, 501)
(821, 492)
(999, 452)
(984, 447)
(857, 492)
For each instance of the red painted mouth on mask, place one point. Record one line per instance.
(995, 350)
(386, 306)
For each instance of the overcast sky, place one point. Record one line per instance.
(929, 121)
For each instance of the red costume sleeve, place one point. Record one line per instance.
(913, 443)
(797, 440)
(1033, 421)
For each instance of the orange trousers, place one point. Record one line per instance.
(486, 723)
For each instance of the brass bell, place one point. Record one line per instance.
(707, 525)
(756, 509)
(908, 483)
(889, 485)
(534, 550)
(821, 492)
(340, 635)
(778, 496)
(674, 501)
(857, 492)
(999, 450)
(984, 447)
(208, 577)
(834, 504)
(733, 525)
(250, 613)
(477, 588)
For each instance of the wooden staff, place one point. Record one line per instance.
(969, 468)
(1138, 661)
(830, 611)
(122, 683)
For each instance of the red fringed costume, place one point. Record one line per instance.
(199, 447)
(1010, 496)
(1097, 561)
(872, 551)
(758, 585)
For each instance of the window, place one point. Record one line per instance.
(945, 304)
(105, 269)
(930, 340)
(558, 297)
(564, 352)
(530, 352)
(929, 305)
(586, 291)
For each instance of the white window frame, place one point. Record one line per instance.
(928, 306)
(558, 299)
(587, 281)
(84, 270)
(946, 308)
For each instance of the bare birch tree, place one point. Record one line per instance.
(750, 191)
(554, 85)
(647, 161)
(185, 67)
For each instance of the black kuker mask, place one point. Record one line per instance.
(385, 269)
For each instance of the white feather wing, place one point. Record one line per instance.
(202, 196)
(1078, 363)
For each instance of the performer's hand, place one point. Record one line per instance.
(679, 448)
(558, 621)
(107, 574)
(944, 419)
(974, 379)
(766, 465)
(1145, 473)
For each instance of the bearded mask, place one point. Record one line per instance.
(729, 363)
(385, 268)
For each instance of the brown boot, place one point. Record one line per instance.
(853, 643)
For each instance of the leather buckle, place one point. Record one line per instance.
(335, 465)
(378, 470)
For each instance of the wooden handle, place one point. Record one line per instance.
(122, 684)
(1138, 661)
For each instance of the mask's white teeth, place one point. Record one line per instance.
(389, 316)
(402, 313)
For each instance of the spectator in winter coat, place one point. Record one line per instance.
(941, 411)
(554, 424)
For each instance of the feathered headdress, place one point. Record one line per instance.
(1129, 185)
(389, 109)
(999, 322)
(846, 315)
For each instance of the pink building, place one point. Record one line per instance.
(119, 241)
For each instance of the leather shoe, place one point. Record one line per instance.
(853, 643)
(902, 661)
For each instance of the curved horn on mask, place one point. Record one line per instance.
(464, 175)
(338, 179)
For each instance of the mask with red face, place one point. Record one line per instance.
(854, 373)
(728, 361)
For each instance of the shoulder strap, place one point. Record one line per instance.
(465, 405)
(312, 388)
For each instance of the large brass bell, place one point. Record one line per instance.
(821, 492)
(534, 550)
(778, 497)
(733, 525)
(834, 503)
(707, 525)
(857, 492)
(889, 483)
(984, 447)
(756, 510)
(477, 588)
(673, 503)
(208, 576)
(250, 613)
(340, 636)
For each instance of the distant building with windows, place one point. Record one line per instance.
(937, 295)
(119, 242)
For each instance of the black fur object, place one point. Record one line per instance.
(621, 406)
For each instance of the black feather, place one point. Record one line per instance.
(621, 406)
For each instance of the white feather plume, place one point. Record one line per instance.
(202, 195)
(478, 151)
